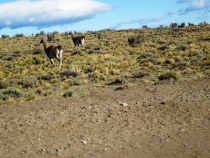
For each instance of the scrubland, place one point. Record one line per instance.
(110, 57)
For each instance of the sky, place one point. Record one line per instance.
(33, 16)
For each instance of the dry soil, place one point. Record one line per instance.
(168, 119)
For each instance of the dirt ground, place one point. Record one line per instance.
(169, 119)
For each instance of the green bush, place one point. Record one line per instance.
(29, 81)
(35, 59)
(10, 92)
(169, 75)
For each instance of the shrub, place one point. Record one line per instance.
(162, 48)
(140, 74)
(35, 60)
(39, 90)
(170, 61)
(91, 51)
(184, 63)
(116, 82)
(16, 54)
(76, 82)
(10, 92)
(145, 55)
(169, 75)
(51, 36)
(68, 94)
(39, 51)
(29, 81)
(4, 36)
(145, 26)
(68, 73)
(182, 47)
(19, 35)
(190, 24)
(182, 25)
(46, 77)
(4, 84)
(30, 96)
(133, 41)
(42, 33)
(203, 23)
(78, 52)
(161, 26)
(173, 25)
(47, 86)
(10, 58)
(99, 36)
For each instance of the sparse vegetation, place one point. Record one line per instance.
(110, 57)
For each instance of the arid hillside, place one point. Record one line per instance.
(110, 57)
(129, 93)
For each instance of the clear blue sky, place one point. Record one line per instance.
(32, 16)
